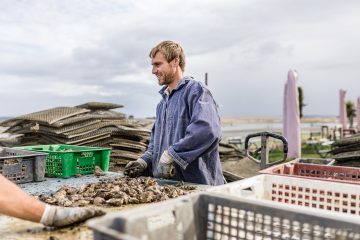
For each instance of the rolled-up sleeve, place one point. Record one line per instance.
(202, 134)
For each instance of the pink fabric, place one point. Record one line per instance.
(358, 114)
(285, 122)
(342, 113)
(291, 116)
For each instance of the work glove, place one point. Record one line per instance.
(135, 168)
(55, 216)
(166, 166)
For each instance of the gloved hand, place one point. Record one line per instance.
(55, 216)
(166, 166)
(135, 168)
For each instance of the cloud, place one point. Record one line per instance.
(73, 51)
(70, 90)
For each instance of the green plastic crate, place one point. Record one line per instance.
(69, 160)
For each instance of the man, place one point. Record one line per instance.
(186, 133)
(16, 203)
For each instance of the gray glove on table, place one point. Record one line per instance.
(135, 168)
(55, 216)
(166, 166)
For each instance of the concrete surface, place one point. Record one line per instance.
(15, 229)
(51, 185)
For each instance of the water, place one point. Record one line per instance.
(247, 128)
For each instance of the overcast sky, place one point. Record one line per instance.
(67, 52)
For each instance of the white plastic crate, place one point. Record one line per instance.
(209, 216)
(334, 196)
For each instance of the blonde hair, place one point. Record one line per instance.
(171, 50)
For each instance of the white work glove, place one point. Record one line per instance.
(166, 166)
(135, 168)
(55, 216)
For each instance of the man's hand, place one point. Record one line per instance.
(54, 216)
(135, 168)
(166, 166)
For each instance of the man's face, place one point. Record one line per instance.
(163, 70)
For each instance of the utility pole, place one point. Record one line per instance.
(206, 79)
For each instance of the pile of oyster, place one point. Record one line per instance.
(116, 192)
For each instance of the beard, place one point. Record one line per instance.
(166, 78)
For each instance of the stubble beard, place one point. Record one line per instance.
(167, 79)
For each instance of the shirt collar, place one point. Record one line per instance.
(165, 92)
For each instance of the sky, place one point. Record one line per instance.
(65, 53)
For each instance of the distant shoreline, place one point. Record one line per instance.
(255, 119)
(249, 119)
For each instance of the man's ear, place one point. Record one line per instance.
(176, 62)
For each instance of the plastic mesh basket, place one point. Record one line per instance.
(336, 197)
(314, 171)
(68, 160)
(207, 216)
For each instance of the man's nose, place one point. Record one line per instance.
(154, 70)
